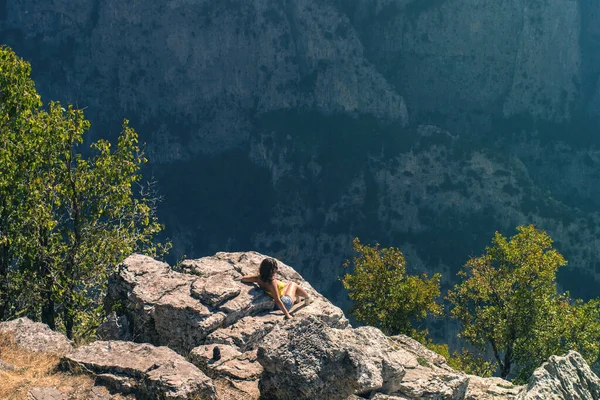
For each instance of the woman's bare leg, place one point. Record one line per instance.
(291, 289)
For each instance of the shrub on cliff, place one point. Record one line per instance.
(65, 219)
(508, 302)
(385, 295)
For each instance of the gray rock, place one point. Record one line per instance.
(380, 396)
(99, 393)
(35, 336)
(202, 356)
(46, 393)
(207, 306)
(237, 344)
(4, 366)
(315, 355)
(245, 333)
(307, 359)
(246, 263)
(142, 369)
(114, 328)
(158, 304)
(427, 374)
(491, 389)
(566, 377)
(215, 290)
(417, 350)
(232, 364)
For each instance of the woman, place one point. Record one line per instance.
(283, 294)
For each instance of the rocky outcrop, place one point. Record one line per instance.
(186, 310)
(491, 389)
(253, 352)
(206, 307)
(35, 336)
(315, 355)
(142, 369)
(232, 364)
(566, 377)
(429, 377)
(306, 359)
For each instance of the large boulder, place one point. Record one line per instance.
(307, 359)
(181, 310)
(566, 377)
(141, 369)
(35, 336)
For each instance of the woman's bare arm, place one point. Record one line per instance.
(275, 290)
(272, 288)
(250, 278)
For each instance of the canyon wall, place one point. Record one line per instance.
(290, 127)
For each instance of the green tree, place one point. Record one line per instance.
(19, 102)
(99, 221)
(68, 218)
(467, 361)
(385, 296)
(508, 301)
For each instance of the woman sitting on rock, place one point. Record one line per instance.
(283, 294)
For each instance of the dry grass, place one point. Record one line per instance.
(36, 369)
(39, 369)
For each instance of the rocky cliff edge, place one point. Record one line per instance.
(202, 334)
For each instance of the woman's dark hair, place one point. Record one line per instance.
(267, 269)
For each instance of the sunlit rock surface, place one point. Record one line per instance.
(566, 377)
(35, 336)
(141, 369)
(315, 355)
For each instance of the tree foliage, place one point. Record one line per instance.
(65, 219)
(470, 362)
(385, 296)
(508, 301)
(18, 104)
